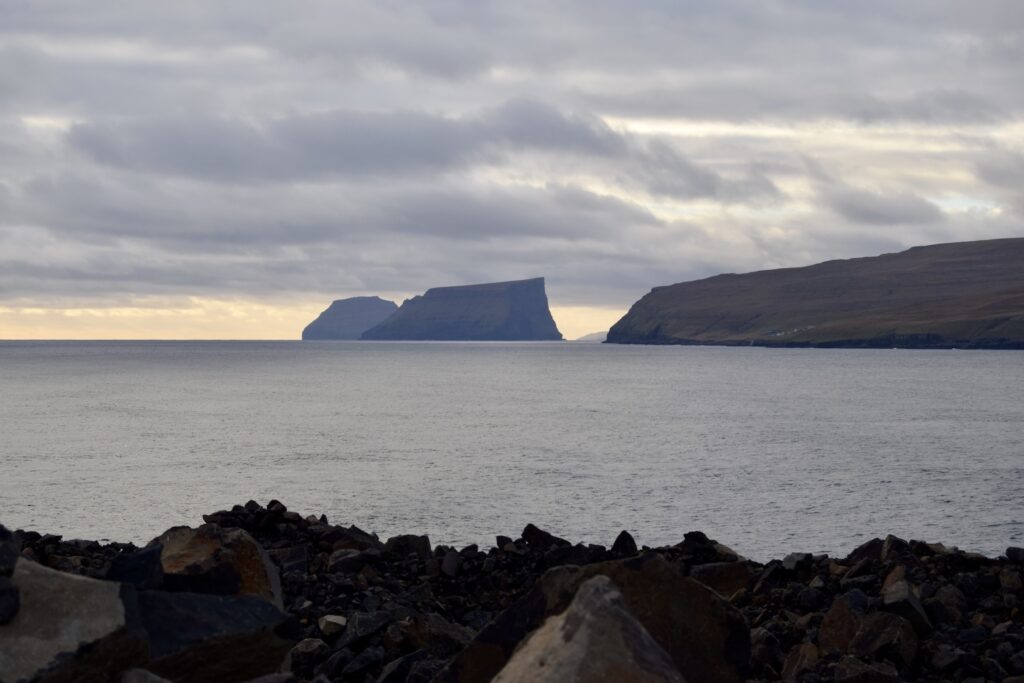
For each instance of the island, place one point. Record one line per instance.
(959, 295)
(496, 311)
(349, 318)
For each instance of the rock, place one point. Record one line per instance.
(368, 658)
(438, 636)
(141, 676)
(10, 600)
(540, 539)
(497, 311)
(331, 624)
(349, 318)
(596, 639)
(306, 653)
(724, 577)
(398, 670)
(842, 621)
(765, 649)
(408, 544)
(884, 635)
(294, 559)
(947, 606)
(899, 598)
(68, 626)
(211, 559)
(624, 544)
(361, 625)
(1009, 580)
(351, 560)
(852, 670)
(1015, 555)
(706, 637)
(450, 563)
(196, 638)
(797, 561)
(801, 657)
(142, 569)
(10, 549)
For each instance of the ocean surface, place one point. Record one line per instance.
(766, 450)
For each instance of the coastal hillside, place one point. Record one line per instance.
(497, 311)
(349, 318)
(959, 295)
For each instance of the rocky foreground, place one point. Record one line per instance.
(265, 594)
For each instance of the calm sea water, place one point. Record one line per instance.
(768, 451)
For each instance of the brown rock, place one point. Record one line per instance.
(706, 637)
(595, 640)
(801, 657)
(212, 559)
(842, 621)
(886, 636)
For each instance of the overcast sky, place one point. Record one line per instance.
(224, 169)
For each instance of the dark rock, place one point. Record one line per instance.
(974, 634)
(624, 544)
(211, 559)
(142, 569)
(439, 637)
(408, 544)
(502, 541)
(899, 598)
(349, 318)
(397, 671)
(800, 658)
(724, 577)
(812, 599)
(947, 657)
(362, 625)
(498, 311)
(197, 638)
(294, 559)
(842, 621)
(595, 640)
(352, 561)
(303, 657)
(765, 649)
(1015, 555)
(450, 563)
(947, 606)
(886, 636)
(367, 659)
(706, 637)
(141, 676)
(852, 670)
(540, 539)
(10, 600)
(797, 561)
(10, 549)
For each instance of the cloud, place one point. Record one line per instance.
(881, 208)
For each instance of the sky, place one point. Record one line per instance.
(225, 169)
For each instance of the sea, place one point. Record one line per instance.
(768, 451)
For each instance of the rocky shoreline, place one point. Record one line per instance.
(264, 593)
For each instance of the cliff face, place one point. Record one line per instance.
(349, 318)
(498, 311)
(965, 295)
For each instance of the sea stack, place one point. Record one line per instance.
(497, 311)
(349, 318)
(960, 295)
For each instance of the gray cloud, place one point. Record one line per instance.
(236, 149)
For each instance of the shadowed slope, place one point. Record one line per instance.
(966, 295)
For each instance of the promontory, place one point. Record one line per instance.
(349, 318)
(958, 295)
(496, 311)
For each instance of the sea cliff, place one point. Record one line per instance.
(960, 295)
(267, 594)
(349, 318)
(496, 311)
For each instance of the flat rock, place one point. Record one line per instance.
(212, 559)
(596, 639)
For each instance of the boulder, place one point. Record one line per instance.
(10, 600)
(540, 539)
(303, 657)
(409, 544)
(68, 628)
(899, 598)
(437, 636)
(724, 577)
(596, 639)
(196, 638)
(624, 544)
(849, 669)
(842, 621)
(1015, 555)
(212, 559)
(10, 549)
(294, 559)
(142, 569)
(707, 639)
(886, 636)
(801, 657)
(330, 624)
